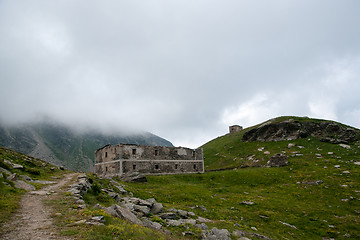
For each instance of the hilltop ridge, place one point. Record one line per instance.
(260, 142)
(291, 128)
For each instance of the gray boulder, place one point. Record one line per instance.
(156, 208)
(142, 209)
(218, 234)
(14, 165)
(202, 226)
(151, 224)
(278, 160)
(12, 177)
(26, 178)
(24, 185)
(168, 215)
(117, 211)
(174, 223)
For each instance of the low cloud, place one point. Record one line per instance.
(182, 70)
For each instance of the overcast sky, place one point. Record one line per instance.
(184, 70)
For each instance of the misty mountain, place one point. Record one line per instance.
(62, 145)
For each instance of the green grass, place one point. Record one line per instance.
(329, 210)
(114, 228)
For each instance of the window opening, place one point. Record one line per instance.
(134, 167)
(105, 169)
(194, 166)
(176, 166)
(106, 154)
(156, 166)
(156, 152)
(134, 151)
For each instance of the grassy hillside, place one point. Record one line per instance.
(34, 168)
(314, 195)
(317, 196)
(229, 151)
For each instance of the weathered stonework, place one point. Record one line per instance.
(235, 128)
(125, 159)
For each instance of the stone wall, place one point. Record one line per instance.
(235, 128)
(124, 159)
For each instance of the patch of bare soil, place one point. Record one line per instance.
(33, 219)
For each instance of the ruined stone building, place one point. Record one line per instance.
(235, 128)
(123, 159)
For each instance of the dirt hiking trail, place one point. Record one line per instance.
(33, 219)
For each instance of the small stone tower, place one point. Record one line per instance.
(235, 128)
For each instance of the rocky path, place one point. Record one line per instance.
(33, 219)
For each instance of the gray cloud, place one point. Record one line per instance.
(183, 70)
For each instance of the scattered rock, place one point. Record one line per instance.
(150, 224)
(202, 226)
(330, 153)
(80, 221)
(24, 185)
(344, 146)
(290, 145)
(156, 208)
(134, 177)
(357, 163)
(14, 165)
(124, 213)
(287, 224)
(238, 233)
(221, 234)
(267, 152)
(188, 221)
(346, 172)
(12, 177)
(191, 214)
(168, 215)
(182, 213)
(5, 171)
(144, 210)
(278, 160)
(98, 219)
(337, 166)
(318, 182)
(98, 206)
(203, 220)
(247, 203)
(174, 223)
(26, 178)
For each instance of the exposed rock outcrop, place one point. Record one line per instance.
(290, 130)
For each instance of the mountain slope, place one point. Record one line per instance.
(61, 145)
(255, 145)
